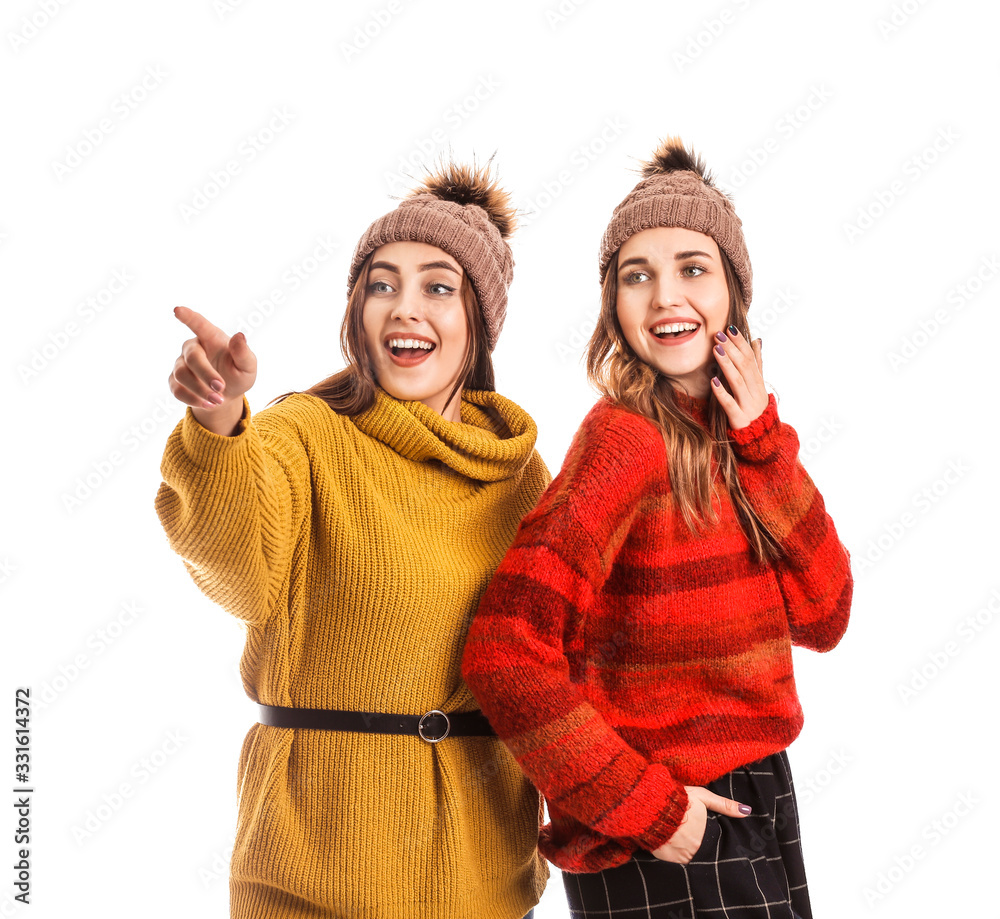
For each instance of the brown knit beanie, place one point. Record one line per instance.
(464, 212)
(678, 191)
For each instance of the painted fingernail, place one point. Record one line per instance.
(216, 385)
(719, 350)
(216, 400)
(746, 809)
(733, 330)
(207, 404)
(716, 381)
(721, 336)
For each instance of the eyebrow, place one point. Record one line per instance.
(678, 257)
(388, 266)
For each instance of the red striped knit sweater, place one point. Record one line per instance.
(620, 657)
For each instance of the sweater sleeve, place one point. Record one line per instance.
(516, 661)
(814, 573)
(231, 508)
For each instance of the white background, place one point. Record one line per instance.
(859, 141)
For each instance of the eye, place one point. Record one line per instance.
(380, 287)
(696, 269)
(635, 277)
(441, 290)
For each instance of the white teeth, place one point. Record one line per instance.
(675, 327)
(410, 343)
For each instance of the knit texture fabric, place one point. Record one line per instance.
(680, 199)
(621, 657)
(464, 232)
(356, 550)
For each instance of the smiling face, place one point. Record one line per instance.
(672, 299)
(415, 324)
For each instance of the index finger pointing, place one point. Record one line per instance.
(195, 322)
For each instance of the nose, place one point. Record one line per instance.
(408, 304)
(667, 292)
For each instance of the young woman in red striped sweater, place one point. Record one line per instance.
(634, 648)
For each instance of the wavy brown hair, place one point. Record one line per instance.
(351, 391)
(617, 372)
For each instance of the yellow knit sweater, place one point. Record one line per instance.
(356, 550)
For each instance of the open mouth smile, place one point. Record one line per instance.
(408, 350)
(672, 333)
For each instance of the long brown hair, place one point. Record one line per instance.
(351, 391)
(617, 372)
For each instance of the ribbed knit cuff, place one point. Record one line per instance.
(667, 823)
(760, 440)
(205, 449)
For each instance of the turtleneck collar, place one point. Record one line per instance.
(697, 408)
(493, 441)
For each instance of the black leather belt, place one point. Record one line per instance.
(434, 726)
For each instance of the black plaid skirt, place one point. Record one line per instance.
(746, 868)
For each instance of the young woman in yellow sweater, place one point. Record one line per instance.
(353, 528)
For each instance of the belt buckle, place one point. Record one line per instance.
(420, 726)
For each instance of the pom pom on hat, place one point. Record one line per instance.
(470, 185)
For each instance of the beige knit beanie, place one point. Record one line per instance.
(678, 191)
(463, 211)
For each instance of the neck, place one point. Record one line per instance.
(696, 386)
(452, 411)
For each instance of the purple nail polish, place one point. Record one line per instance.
(716, 381)
(719, 350)
(720, 336)
(734, 331)
(746, 809)
(216, 385)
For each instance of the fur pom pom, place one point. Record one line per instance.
(671, 156)
(472, 185)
